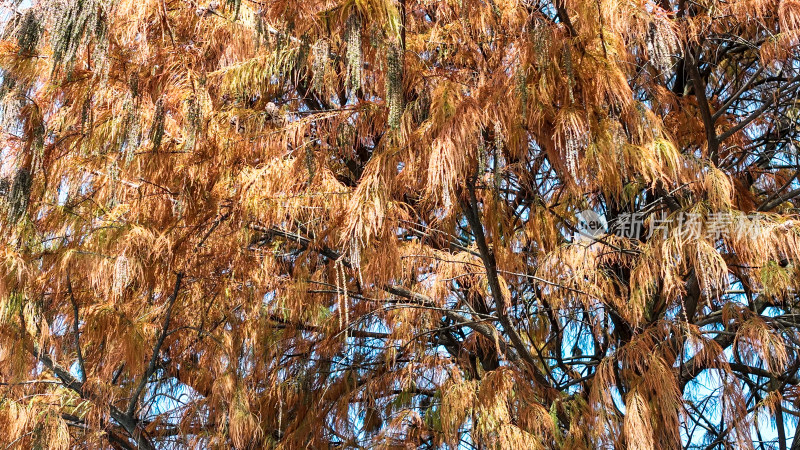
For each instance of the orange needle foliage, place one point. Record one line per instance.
(352, 224)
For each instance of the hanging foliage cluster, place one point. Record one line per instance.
(393, 223)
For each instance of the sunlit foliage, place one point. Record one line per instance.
(357, 224)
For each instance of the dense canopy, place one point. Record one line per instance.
(399, 224)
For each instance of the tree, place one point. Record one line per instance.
(462, 224)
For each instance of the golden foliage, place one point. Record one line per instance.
(357, 223)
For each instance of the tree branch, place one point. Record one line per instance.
(705, 111)
(755, 114)
(76, 329)
(151, 367)
(130, 425)
(472, 214)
